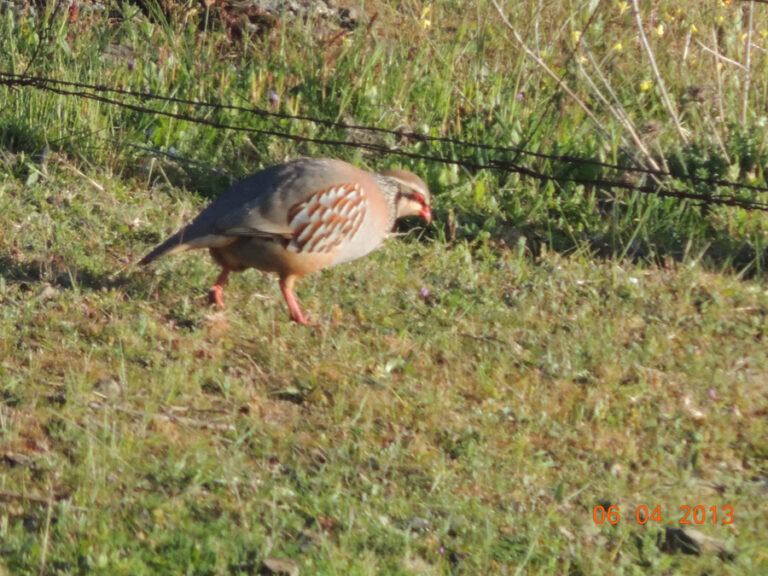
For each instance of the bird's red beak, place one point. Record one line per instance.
(426, 213)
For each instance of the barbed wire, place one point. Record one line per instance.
(110, 95)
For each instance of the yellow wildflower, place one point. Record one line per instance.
(426, 22)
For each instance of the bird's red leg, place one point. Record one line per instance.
(286, 285)
(217, 291)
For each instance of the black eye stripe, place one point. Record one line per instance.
(414, 196)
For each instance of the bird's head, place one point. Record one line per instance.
(412, 197)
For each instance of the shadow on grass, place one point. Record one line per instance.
(717, 251)
(57, 274)
(35, 277)
(713, 248)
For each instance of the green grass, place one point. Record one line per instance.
(470, 395)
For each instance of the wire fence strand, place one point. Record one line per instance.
(494, 155)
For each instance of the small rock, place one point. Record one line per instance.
(696, 414)
(14, 459)
(348, 18)
(48, 292)
(418, 524)
(281, 566)
(108, 388)
(690, 541)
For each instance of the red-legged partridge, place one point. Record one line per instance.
(299, 217)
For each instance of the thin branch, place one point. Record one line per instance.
(164, 416)
(534, 127)
(5, 496)
(43, 36)
(617, 108)
(747, 65)
(562, 85)
(543, 65)
(659, 80)
(718, 75)
(721, 56)
(46, 533)
(720, 107)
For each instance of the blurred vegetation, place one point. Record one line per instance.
(474, 390)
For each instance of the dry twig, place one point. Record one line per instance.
(543, 65)
(747, 65)
(46, 533)
(655, 69)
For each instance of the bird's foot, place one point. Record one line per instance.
(215, 296)
(301, 318)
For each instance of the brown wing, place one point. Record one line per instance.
(327, 218)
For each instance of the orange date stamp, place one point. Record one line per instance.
(643, 514)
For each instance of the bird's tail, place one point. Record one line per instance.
(172, 245)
